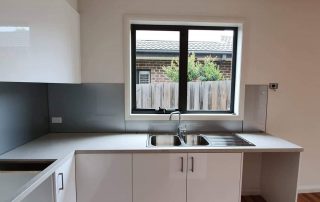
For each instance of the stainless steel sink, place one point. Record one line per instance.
(164, 140)
(195, 140)
(224, 140)
(171, 140)
(24, 165)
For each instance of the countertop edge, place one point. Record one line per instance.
(188, 150)
(39, 178)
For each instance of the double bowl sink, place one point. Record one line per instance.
(214, 140)
(174, 140)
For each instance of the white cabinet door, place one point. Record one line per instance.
(65, 182)
(39, 41)
(159, 177)
(104, 177)
(214, 177)
(43, 193)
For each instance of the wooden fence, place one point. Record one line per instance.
(206, 95)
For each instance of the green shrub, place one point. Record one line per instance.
(210, 71)
(207, 70)
(172, 71)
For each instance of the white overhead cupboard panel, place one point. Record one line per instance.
(39, 41)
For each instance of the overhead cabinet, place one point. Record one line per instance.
(39, 41)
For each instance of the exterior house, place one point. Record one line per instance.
(153, 55)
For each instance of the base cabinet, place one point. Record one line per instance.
(43, 193)
(104, 177)
(214, 177)
(159, 177)
(192, 177)
(65, 182)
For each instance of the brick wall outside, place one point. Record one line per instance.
(155, 66)
(225, 68)
(158, 74)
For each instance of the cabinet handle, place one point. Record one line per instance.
(192, 164)
(62, 183)
(182, 164)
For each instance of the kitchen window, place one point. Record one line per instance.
(191, 69)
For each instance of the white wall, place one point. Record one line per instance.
(281, 44)
(73, 3)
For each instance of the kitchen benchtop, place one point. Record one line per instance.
(55, 146)
(62, 146)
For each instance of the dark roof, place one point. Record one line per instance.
(224, 46)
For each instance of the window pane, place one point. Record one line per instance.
(209, 70)
(157, 69)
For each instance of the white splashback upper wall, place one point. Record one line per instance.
(281, 45)
(73, 4)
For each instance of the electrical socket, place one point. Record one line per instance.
(273, 86)
(56, 120)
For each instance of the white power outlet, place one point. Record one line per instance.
(273, 86)
(57, 120)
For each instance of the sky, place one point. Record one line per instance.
(13, 29)
(194, 35)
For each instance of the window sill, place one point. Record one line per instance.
(165, 117)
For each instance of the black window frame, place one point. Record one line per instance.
(183, 69)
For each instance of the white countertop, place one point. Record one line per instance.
(62, 146)
(55, 146)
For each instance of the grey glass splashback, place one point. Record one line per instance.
(23, 113)
(256, 103)
(25, 109)
(87, 107)
(100, 108)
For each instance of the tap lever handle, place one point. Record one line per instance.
(183, 129)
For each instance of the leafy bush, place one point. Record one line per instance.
(172, 71)
(207, 70)
(210, 71)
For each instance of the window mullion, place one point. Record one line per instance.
(133, 68)
(183, 69)
(234, 59)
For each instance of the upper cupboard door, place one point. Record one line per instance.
(39, 41)
(214, 177)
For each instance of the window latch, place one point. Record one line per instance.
(161, 110)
